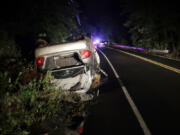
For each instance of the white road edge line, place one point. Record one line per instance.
(116, 74)
(129, 99)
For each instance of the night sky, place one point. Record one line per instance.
(105, 17)
(94, 9)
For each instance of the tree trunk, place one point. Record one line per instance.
(174, 51)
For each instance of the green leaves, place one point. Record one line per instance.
(24, 105)
(153, 24)
(24, 20)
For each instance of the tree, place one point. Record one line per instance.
(153, 24)
(24, 20)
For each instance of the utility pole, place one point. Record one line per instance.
(77, 15)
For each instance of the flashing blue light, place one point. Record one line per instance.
(97, 41)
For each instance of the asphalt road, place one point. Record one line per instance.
(154, 90)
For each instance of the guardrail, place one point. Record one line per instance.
(129, 47)
(158, 51)
(155, 51)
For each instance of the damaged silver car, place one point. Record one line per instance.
(74, 65)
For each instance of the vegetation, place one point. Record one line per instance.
(153, 24)
(23, 22)
(28, 101)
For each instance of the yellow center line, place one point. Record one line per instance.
(151, 61)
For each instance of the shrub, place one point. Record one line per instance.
(25, 105)
(8, 47)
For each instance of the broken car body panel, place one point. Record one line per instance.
(73, 65)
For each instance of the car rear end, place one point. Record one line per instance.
(69, 63)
